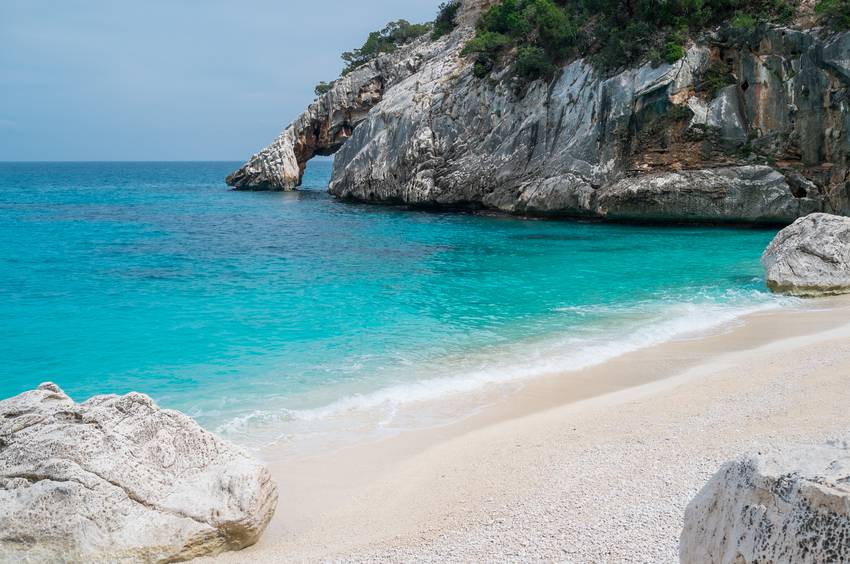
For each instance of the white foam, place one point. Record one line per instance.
(241, 423)
(644, 325)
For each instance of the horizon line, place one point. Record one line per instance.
(119, 161)
(55, 161)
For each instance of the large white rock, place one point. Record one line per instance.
(118, 478)
(773, 507)
(810, 257)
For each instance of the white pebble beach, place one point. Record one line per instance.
(590, 466)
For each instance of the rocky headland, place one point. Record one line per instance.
(116, 478)
(751, 124)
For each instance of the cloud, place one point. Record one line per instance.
(7, 123)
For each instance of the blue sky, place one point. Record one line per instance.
(170, 80)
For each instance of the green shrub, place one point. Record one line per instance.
(506, 18)
(743, 21)
(532, 63)
(624, 45)
(486, 42)
(673, 52)
(614, 33)
(405, 32)
(385, 41)
(445, 22)
(542, 32)
(836, 13)
(487, 46)
(556, 32)
(783, 12)
(322, 88)
(482, 68)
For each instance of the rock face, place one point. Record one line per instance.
(320, 130)
(117, 478)
(790, 506)
(587, 143)
(752, 194)
(329, 121)
(811, 257)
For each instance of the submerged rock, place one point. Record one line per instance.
(810, 257)
(118, 478)
(778, 506)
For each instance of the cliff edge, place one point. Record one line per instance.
(750, 125)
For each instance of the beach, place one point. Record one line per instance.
(593, 465)
(462, 281)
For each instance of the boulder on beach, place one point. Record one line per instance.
(810, 257)
(789, 505)
(117, 478)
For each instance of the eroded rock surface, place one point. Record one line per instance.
(117, 478)
(330, 120)
(439, 136)
(811, 257)
(320, 130)
(750, 194)
(789, 505)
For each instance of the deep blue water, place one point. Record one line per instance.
(246, 308)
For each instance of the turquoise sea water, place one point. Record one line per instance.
(251, 310)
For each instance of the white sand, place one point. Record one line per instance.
(593, 466)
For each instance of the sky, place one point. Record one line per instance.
(170, 79)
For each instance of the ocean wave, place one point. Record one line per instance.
(242, 423)
(627, 328)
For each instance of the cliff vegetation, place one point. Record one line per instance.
(393, 36)
(538, 36)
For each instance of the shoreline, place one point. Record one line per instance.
(441, 492)
(497, 213)
(447, 393)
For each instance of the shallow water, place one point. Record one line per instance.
(254, 310)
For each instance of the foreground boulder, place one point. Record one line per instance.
(118, 478)
(811, 257)
(789, 506)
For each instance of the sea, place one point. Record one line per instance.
(274, 317)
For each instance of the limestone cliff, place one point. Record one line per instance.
(660, 143)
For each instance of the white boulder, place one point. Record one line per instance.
(777, 506)
(810, 257)
(118, 478)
